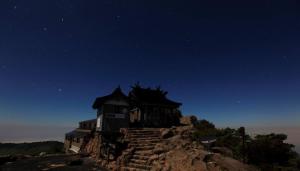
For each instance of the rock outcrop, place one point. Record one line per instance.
(167, 149)
(188, 120)
(180, 154)
(173, 150)
(93, 146)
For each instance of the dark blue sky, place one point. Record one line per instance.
(231, 62)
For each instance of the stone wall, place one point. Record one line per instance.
(93, 146)
(67, 145)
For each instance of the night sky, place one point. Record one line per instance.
(232, 62)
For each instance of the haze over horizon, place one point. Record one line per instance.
(233, 63)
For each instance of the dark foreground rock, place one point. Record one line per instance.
(52, 163)
(166, 149)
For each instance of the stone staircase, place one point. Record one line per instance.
(143, 140)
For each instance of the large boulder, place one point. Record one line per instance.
(181, 153)
(188, 120)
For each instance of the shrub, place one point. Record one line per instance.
(35, 148)
(270, 149)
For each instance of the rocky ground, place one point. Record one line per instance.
(177, 152)
(50, 163)
(170, 149)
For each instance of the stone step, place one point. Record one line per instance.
(139, 166)
(144, 152)
(143, 131)
(144, 148)
(144, 141)
(139, 140)
(140, 157)
(149, 135)
(127, 168)
(143, 136)
(149, 140)
(142, 144)
(138, 161)
(144, 128)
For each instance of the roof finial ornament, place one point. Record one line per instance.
(118, 88)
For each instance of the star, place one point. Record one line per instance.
(285, 59)
(137, 45)
(118, 17)
(62, 19)
(59, 90)
(15, 7)
(187, 40)
(3, 67)
(45, 28)
(238, 102)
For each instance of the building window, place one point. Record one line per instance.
(117, 109)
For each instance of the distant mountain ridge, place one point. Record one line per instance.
(34, 148)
